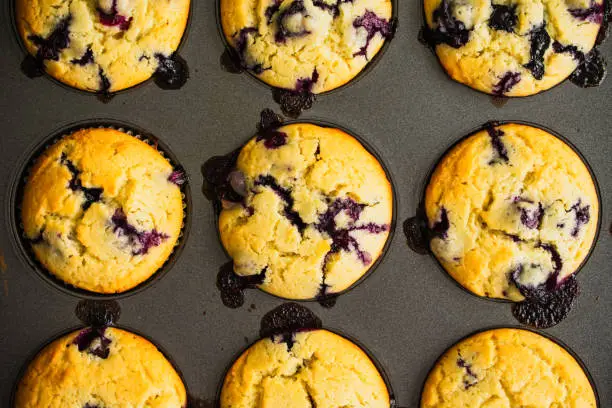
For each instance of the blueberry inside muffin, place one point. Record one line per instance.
(102, 210)
(306, 45)
(306, 212)
(304, 369)
(100, 367)
(516, 48)
(507, 368)
(102, 45)
(513, 212)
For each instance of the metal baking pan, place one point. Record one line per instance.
(406, 313)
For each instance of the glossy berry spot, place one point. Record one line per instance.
(232, 286)
(550, 307)
(217, 186)
(506, 83)
(93, 340)
(286, 30)
(593, 14)
(503, 17)
(87, 58)
(415, 230)
(141, 241)
(113, 18)
(540, 41)
(172, 72)
(49, 48)
(373, 25)
(91, 195)
(178, 177)
(448, 30)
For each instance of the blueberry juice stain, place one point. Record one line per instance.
(98, 313)
(172, 71)
(282, 323)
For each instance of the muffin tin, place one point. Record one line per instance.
(407, 312)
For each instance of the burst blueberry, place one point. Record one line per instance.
(503, 17)
(373, 25)
(540, 41)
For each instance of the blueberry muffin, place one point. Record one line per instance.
(512, 209)
(507, 368)
(306, 45)
(307, 369)
(100, 367)
(510, 47)
(102, 45)
(313, 214)
(102, 210)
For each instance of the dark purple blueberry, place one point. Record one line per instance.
(288, 318)
(532, 217)
(556, 260)
(549, 310)
(268, 119)
(582, 214)
(593, 14)
(271, 10)
(495, 134)
(591, 71)
(472, 378)
(49, 48)
(305, 85)
(415, 230)
(92, 195)
(283, 32)
(332, 8)
(87, 58)
(506, 83)
(141, 241)
(172, 72)
(241, 45)
(113, 18)
(85, 339)
(540, 41)
(503, 17)
(105, 84)
(440, 228)
(324, 297)
(294, 102)
(373, 25)
(569, 49)
(267, 130)
(285, 194)
(217, 186)
(178, 177)
(448, 30)
(98, 313)
(232, 286)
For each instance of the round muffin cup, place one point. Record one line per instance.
(20, 242)
(106, 96)
(545, 335)
(421, 217)
(376, 362)
(377, 156)
(366, 70)
(56, 336)
(600, 39)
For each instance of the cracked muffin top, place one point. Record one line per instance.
(314, 213)
(303, 370)
(512, 210)
(510, 47)
(102, 45)
(507, 368)
(102, 210)
(306, 45)
(97, 368)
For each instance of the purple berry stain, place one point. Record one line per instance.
(235, 60)
(583, 216)
(86, 341)
(471, 377)
(503, 18)
(112, 18)
(532, 217)
(440, 228)
(172, 71)
(49, 48)
(267, 130)
(285, 195)
(293, 102)
(591, 69)
(87, 58)
(498, 146)
(540, 41)
(416, 232)
(334, 9)
(217, 186)
(448, 30)
(141, 241)
(373, 25)
(593, 14)
(178, 177)
(284, 32)
(271, 10)
(92, 195)
(506, 83)
(287, 319)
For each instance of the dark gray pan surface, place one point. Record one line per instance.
(406, 313)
